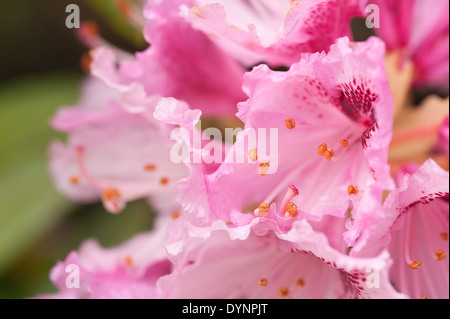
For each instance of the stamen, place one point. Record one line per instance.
(128, 261)
(263, 209)
(150, 167)
(262, 282)
(440, 254)
(444, 235)
(322, 149)
(290, 123)
(264, 168)
(283, 292)
(344, 143)
(197, 11)
(253, 154)
(300, 282)
(112, 200)
(415, 132)
(79, 150)
(164, 181)
(111, 193)
(74, 180)
(291, 209)
(329, 154)
(291, 193)
(175, 215)
(111, 197)
(352, 190)
(415, 264)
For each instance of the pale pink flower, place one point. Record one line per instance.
(415, 230)
(420, 28)
(297, 264)
(110, 153)
(123, 272)
(274, 32)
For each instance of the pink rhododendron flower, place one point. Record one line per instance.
(415, 230)
(181, 62)
(110, 154)
(126, 271)
(420, 29)
(274, 32)
(341, 99)
(301, 203)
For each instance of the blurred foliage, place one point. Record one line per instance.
(34, 37)
(109, 12)
(39, 72)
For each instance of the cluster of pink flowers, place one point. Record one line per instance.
(334, 221)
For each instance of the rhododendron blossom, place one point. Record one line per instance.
(333, 185)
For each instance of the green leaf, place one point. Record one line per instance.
(29, 204)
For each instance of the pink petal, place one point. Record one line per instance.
(256, 31)
(127, 271)
(302, 261)
(414, 228)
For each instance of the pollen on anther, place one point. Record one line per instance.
(263, 209)
(112, 199)
(329, 153)
(344, 143)
(283, 292)
(175, 215)
(322, 149)
(423, 297)
(300, 282)
(262, 282)
(74, 180)
(444, 235)
(150, 167)
(128, 261)
(263, 168)
(291, 209)
(415, 264)
(111, 194)
(352, 190)
(290, 123)
(440, 254)
(253, 154)
(164, 181)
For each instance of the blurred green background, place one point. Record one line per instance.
(40, 72)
